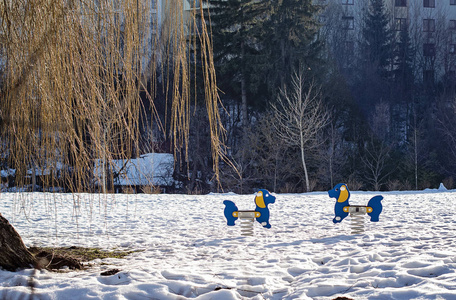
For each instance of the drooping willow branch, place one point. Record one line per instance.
(72, 75)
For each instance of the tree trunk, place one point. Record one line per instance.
(415, 149)
(13, 253)
(304, 163)
(245, 122)
(331, 155)
(34, 178)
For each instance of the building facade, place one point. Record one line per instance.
(431, 25)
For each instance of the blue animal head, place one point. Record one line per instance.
(342, 194)
(263, 198)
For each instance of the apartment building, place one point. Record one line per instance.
(431, 25)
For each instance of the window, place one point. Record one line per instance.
(348, 23)
(429, 3)
(453, 37)
(194, 3)
(347, 2)
(452, 2)
(428, 77)
(400, 24)
(322, 19)
(452, 25)
(349, 48)
(402, 2)
(428, 25)
(429, 50)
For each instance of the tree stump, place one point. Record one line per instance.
(13, 253)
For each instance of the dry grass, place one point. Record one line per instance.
(81, 253)
(72, 257)
(150, 189)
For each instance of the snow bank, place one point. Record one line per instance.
(149, 169)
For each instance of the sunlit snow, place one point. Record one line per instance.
(188, 251)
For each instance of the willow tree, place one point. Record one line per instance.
(73, 72)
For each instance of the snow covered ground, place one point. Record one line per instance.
(188, 251)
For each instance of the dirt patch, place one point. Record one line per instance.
(71, 257)
(110, 272)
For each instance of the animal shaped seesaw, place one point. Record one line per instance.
(343, 208)
(261, 213)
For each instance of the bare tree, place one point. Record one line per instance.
(272, 166)
(268, 163)
(377, 151)
(300, 116)
(446, 121)
(415, 143)
(334, 155)
(376, 157)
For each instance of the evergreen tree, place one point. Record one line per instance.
(259, 44)
(373, 86)
(290, 41)
(403, 62)
(235, 29)
(377, 36)
(403, 85)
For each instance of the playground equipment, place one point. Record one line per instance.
(343, 208)
(247, 217)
